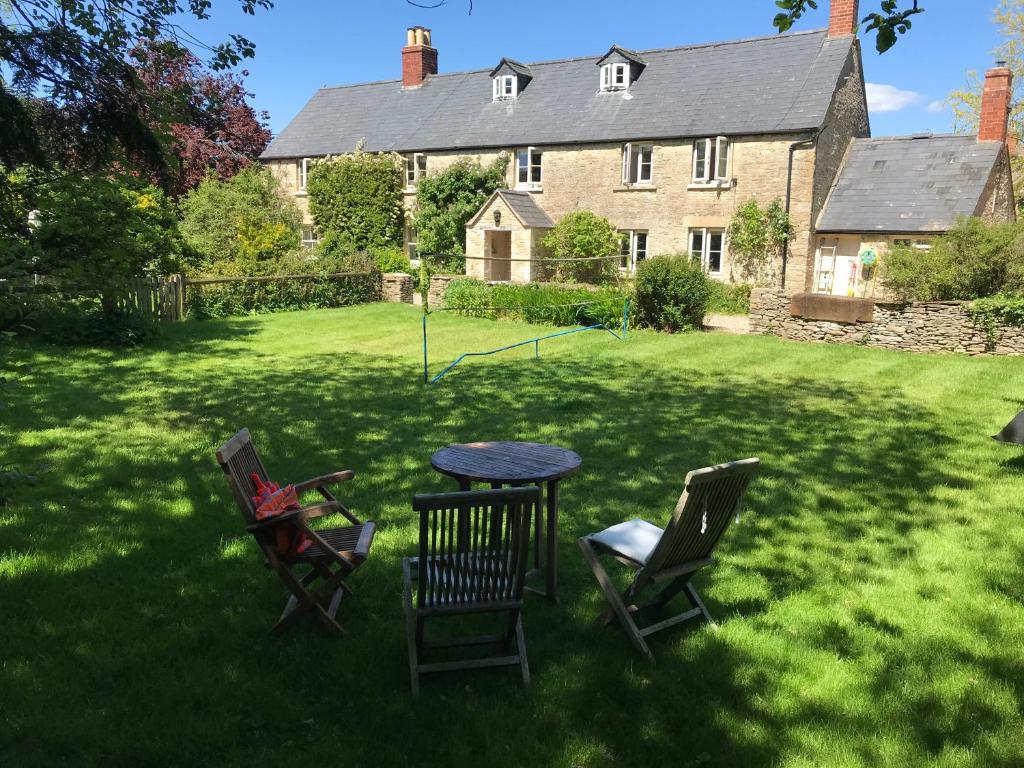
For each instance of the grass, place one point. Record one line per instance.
(870, 600)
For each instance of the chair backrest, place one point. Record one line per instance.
(476, 542)
(708, 504)
(239, 460)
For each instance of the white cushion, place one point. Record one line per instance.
(635, 539)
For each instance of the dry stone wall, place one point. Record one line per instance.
(397, 286)
(917, 327)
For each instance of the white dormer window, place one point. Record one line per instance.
(504, 88)
(614, 77)
(712, 161)
(304, 165)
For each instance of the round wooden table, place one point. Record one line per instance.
(517, 464)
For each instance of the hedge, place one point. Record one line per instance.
(246, 297)
(537, 303)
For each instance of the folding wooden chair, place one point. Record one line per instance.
(472, 559)
(335, 552)
(669, 557)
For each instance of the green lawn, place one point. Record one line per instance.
(870, 601)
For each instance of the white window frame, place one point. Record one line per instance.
(704, 253)
(415, 169)
(504, 88)
(632, 251)
(644, 170)
(532, 153)
(711, 170)
(304, 165)
(314, 236)
(611, 73)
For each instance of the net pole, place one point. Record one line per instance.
(625, 319)
(426, 374)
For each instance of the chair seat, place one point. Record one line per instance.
(633, 539)
(353, 540)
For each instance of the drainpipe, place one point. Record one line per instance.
(805, 144)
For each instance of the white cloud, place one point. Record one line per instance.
(889, 98)
(937, 106)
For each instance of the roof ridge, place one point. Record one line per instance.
(918, 137)
(569, 59)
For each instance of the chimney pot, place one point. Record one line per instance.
(419, 59)
(995, 104)
(843, 18)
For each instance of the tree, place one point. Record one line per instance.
(894, 18)
(966, 102)
(236, 225)
(68, 93)
(757, 237)
(100, 231)
(357, 199)
(204, 116)
(446, 201)
(584, 235)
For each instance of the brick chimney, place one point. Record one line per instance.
(843, 20)
(419, 59)
(995, 104)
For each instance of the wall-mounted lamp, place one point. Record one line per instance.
(497, 218)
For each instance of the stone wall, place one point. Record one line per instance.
(397, 286)
(941, 326)
(438, 285)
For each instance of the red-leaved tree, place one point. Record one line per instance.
(204, 118)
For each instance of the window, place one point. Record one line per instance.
(304, 165)
(528, 167)
(411, 238)
(637, 163)
(712, 161)
(614, 77)
(504, 87)
(310, 237)
(707, 245)
(920, 245)
(634, 250)
(415, 169)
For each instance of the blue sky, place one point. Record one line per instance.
(304, 44)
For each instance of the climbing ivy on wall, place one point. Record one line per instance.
(357, 198)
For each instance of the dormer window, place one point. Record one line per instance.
(614, 77)
(620, 68)
(509, 79)
(505, 87)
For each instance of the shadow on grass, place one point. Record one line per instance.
(140, 593)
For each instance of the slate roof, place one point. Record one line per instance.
(909, 184)
(522, 205)
(778, 84)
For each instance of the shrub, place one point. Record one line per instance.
(391, 259)
(972, 260)
(729, 298)
(245, 220)
(538, 303)
(672, 293)
(446, 201)
(83, 320)
(584, 235)
(358, 198)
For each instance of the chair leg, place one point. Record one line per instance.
(412, 636)
(524, 665)
(614, 599)
(695, 600)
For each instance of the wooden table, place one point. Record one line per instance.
(516, 464)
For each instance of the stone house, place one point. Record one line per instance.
(909, 190)
(664, 143)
